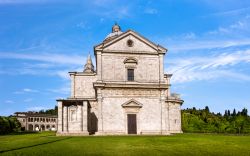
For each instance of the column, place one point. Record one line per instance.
(60, 117)
(99, 65)
(65, 119)
(85, 117)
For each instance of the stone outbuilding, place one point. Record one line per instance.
(128, 93)
(32, 121)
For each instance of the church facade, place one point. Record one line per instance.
(128, 93)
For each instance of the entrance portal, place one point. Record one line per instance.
(132, 128)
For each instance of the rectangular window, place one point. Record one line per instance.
(130, 74)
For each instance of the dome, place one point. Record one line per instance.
(116, 31)
(116, 28)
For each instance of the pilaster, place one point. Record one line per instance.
(161, 68)
(60, 119)
(100, 115)
(164, 130)
(65, 119)
(85, 117)
(99, 65)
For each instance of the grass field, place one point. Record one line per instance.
(47, 143)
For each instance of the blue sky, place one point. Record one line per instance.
(208, 43)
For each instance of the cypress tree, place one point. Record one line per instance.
(234, 112)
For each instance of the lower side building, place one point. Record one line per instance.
(31, 121)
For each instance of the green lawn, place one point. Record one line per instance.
(47, 143)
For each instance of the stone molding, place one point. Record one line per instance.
(132, 85)
(132, 104)
(103, 45)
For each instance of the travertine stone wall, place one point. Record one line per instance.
(82, 86)
(138, 45)
(148, 116)
(118, 92)
(60, 116)
(74, 118)
(92, 117)
(146, 70)
(174, 118)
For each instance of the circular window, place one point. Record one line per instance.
(130, 43)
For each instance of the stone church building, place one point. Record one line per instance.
(127, 93)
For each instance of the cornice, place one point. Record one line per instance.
(132, 85)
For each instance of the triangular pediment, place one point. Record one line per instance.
(132, 103)
(139, 44)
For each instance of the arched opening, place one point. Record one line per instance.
(37, 128)
(53, 128)
(48, 127)
(30, 127)
(42, 128)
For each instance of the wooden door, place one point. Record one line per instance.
(132, 128)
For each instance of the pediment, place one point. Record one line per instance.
(122, 43)
(132, 103)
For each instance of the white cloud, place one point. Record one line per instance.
(233, 35)
(28, 100)
(102, 3)
(26, 90)
(65, 89)
(209, 67)
(232, 12)
(9, 101)
(237, 28)
(111, 10)
(150, 11)
(52, 58)
(30, 90)
(212, 55)
(188, 75)
(83, 25)
(44, 64)
(24, 1)
(207, 44)
(63, 74)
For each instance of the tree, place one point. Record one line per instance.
(239, 123)
(234, 112)
(244, 112)
(49, 111)
(225, 114)
(207, 109)
(208, 122)
(9, 124)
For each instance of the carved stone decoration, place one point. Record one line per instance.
(130, 62)
(132, 106)
(130, 43)
(73, 113)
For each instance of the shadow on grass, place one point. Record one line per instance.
(14, 149)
